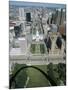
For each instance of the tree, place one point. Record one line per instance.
(20, 78)
(53, 74)
(62, 72)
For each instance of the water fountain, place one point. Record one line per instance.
(37, 36)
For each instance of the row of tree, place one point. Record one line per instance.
(57, 73)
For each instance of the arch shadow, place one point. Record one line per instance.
(52, 82)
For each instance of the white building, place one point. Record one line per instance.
(23, 44)
(21, 14)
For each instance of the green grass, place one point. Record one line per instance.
(32, 48)
(36, 78)
(37, 48)
(42, 48)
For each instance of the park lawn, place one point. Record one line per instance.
(37, 48)
(36, 78)
(42, 67)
